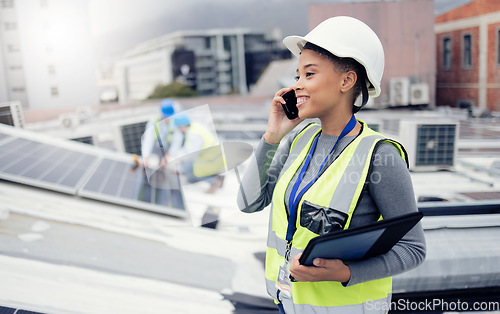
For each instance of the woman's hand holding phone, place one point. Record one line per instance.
(279, 124)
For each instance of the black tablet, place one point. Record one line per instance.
(360, 243)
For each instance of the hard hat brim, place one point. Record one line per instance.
(295, 44)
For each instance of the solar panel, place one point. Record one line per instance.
(27, 312)
(4, 137)
(10, 310)
(31, 162)
(7, 310)
(84, 170)
(132, 136)
(118, 182)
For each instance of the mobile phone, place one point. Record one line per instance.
(290, 107)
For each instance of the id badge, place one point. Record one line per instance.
(284, 284)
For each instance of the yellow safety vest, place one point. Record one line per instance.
(339, 187)
(210, 160)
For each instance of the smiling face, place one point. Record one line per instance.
(322, 91)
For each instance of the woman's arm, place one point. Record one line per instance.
(392, 192)
(259, 180)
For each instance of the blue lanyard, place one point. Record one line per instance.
(295, 197)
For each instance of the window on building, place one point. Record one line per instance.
(467, 51)
(467, 105)
(13, 48)
(7, 3)
(446, 53)
(16, 67)
(207, 42)
(19, 89)
(52, 69)
(10, 26)
(54, 91)
(498, 46)
(227, 43)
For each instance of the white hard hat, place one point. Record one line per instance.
(346, 37)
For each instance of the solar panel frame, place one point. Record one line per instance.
(67, 166)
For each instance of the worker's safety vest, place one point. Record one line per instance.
(210, 160)
(336, 192)
(170, 131)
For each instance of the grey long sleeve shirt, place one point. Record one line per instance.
(390, 194)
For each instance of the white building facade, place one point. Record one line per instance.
(46, 54)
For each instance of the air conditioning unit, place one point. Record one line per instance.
(11, 113)
(390, 125)
(430, 146)
(377, 127)
(69, 121)
(399, 89)
(132, 136)
(419, 94)
(373, 123)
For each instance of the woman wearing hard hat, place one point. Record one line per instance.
(331, 176)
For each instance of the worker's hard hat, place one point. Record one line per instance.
(346, 37)
(181, 119)
(167, 107)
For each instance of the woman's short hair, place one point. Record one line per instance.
(344, 65)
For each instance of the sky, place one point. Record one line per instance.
(107, 16)
(128, 22)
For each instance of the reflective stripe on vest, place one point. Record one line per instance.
(345, 179)
(170, 131)
(379, 306)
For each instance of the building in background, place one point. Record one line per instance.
(213, 62)
(406, 29)
(468, 56)
(46, 54)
